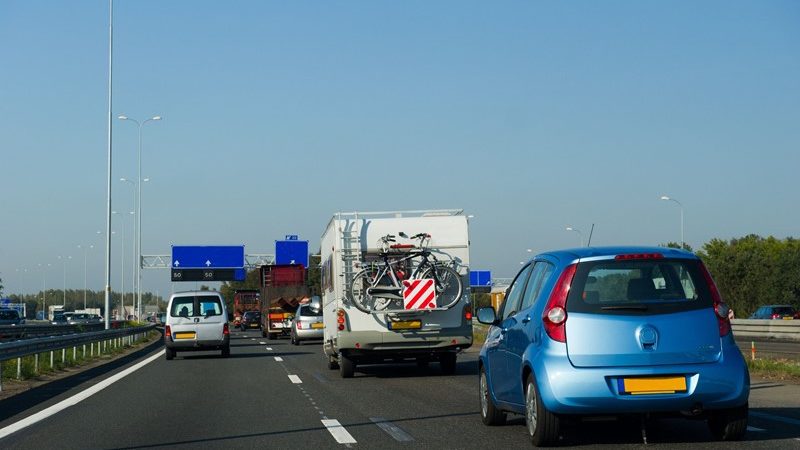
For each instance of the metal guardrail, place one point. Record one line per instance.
(767, 329)
(15, 332)
(18, 349)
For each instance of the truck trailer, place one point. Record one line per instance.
(393, 329)
(283, 287)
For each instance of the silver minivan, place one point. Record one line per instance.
(196, 321)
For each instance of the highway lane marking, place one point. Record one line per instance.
(269, 348)
(75, 399)
(788, 420)
(278, 358)
(338, 432)
(749, 428)
(262, 342)
(295, 379)
(393, 430)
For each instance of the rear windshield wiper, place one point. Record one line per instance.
(624, 307)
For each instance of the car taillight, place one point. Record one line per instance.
(555, 312)
(299, 324)
(168, 331)
(639, 256)
(225, 329)
(720, 308)
(340, 319)
(776, 316)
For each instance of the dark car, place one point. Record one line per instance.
(771, 312)
(59, 318)
(250, 319)
(10, 317)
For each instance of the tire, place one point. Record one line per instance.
(543, 426)
(448, 363)
(226, 351)
(448, 287)
(270, 336)
(333, 364)
(170, 353)
(357, 291)
(729, 424)
(346, 366)
(490, 415)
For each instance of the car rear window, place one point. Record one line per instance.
(638, 287)
(196, 306)
(784, 310)
(306, 311)
(9, 315)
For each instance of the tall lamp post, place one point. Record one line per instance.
(133, 266)
(139, 213)
(668, 198)
(577, 231)
(85, 249)
(64, 260)
(44, 289)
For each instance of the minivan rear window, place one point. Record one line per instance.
(306, 310)
(638, 287)
(195, 306)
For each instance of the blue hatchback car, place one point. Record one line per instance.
(610, 332)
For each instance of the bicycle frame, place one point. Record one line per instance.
(389, 263)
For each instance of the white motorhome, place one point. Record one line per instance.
(393, 330)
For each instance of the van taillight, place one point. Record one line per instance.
(340, 319)
(555, 312)
(720, 308)
(225, 329)
(168, 331)
(468, 312)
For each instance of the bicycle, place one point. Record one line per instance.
(380, 285)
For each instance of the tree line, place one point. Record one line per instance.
(74, 300)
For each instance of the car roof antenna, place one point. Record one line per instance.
(589, 243)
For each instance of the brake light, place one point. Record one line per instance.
(640, 256)
(468, 312)
(225, 330)
(720, 308)
(299, 325)
(340, 319)
(776, 316)
(168, 331)
(555, 313)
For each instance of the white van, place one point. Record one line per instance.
(196, 321)
(391, 329)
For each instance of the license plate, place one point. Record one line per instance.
(317, 325)
(184, 335)
(788, 318)
(652, 385)
(405, 325)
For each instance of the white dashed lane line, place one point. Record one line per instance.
(278, 358)
(261, 342)
(295, 379)
(269, 349)
(338, 432)
(393, 430)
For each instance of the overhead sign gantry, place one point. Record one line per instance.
(208, 263)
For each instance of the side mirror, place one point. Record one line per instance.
(315, 304)
(486, 315)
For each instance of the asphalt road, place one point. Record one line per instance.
(253, 400)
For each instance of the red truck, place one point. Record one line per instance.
(245, 300)
(283, 286)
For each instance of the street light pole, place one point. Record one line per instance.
(64, 260)
(133, 266)
(108, 194)
(577, 231)
(139, 214)
(668, 198)
(85, 256)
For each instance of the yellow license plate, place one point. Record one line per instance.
(317, 325)
(184, 335)
(405, 325)
(653, 385)
(788, 318)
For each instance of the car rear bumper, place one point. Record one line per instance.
(407, 343)
(565, 389)
(313, 333)
(195, 345)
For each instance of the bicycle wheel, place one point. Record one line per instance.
(448, 286)
(358, 294)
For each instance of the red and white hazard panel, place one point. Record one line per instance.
(419, 294)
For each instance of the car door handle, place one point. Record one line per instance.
(526, 319)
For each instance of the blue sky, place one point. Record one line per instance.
(529, 115)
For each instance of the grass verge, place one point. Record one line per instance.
(775, 369)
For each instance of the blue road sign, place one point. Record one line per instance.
(291, 252)
(208, 257)
(480, 278)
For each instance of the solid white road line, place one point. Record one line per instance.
(338, 432)
(278, 358)
(295, 379)
(393, 430)
(75, 399)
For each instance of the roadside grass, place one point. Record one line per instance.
(30, 367)
(774, 369)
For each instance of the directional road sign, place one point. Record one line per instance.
(291, 252)
(207, 257)
(208, 274)
(480, 281)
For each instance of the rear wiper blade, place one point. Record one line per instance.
(625, 307)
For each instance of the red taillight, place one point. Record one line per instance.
(468, 313)
(225, 330)
(640, 256)
(299, 325)
(340, 319)
(168, 331)
(555, 313)
(720, 308)
(776, 316)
